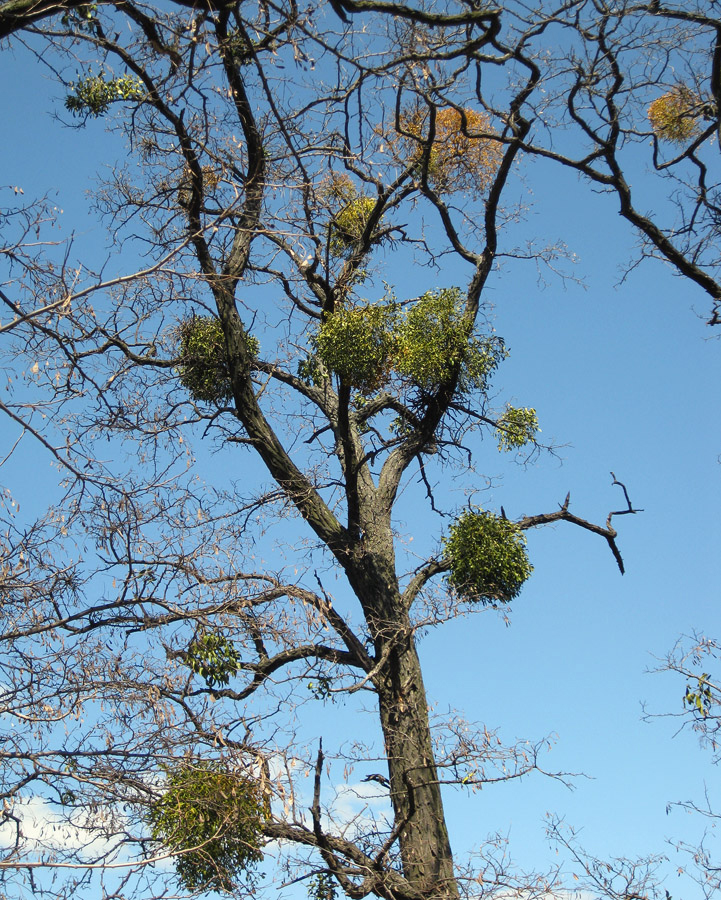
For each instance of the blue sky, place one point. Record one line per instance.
(625, 379)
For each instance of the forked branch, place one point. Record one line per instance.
(606, 531)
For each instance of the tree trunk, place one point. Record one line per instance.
(414, 788)
(415, 791)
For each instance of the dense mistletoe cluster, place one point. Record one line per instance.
(463, 154)
(211, 819)
(358, 344)
(214, 658)
(487, 557)
(203, 368)
(674, 116)
(349, 224)
(516, 427)
(94, 94)
(367, 345)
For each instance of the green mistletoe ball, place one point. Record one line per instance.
(487, 557)
(203, 368)
(212, 819)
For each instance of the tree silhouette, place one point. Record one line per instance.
(280, 156)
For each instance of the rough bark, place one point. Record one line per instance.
(403, 708)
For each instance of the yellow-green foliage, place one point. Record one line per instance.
(357, 344)
(93, 95)
(368, 345)
(212, 819)
(435, 336)
(203, 368)
(487, 557)
(312, 370)
(702, 696)
(516, 427)
(348, 225)
(350, 212)
(674, 116)
(214, 658)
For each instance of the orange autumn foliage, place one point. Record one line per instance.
(674, 116)
(464, 155)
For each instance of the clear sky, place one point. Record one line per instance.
(625, 378)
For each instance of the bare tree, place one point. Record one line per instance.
(642, 85)
(695, 660)
(154, 666)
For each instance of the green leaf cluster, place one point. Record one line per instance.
(203, 369)
(312, 370)
(516, 427)
(700, 698)
(82, 17)
(214, 658)
(436, 336)
(212, 819)
(349, 224)
(487, 557)
(350, 212)
(241, 48)
(358, 344)
(93, 95)
(367, 345)
(322, 886)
